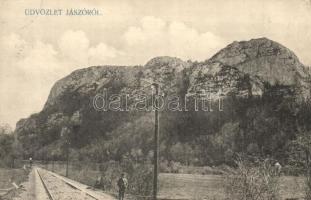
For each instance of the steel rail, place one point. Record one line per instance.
(68, 183)
(44, 185)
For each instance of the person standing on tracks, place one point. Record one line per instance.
(278, 168)
(30, 162)
(122, 184)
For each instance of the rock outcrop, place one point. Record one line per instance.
(240, 69)
(265, 59)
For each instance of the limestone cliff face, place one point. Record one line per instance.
(241, 69)
(258, 60)
(88, 80)
(265, 59)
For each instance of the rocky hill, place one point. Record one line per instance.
(266, 59)
(246, 73)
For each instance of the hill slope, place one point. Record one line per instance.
(259, 81)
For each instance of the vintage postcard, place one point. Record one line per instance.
(158, 99)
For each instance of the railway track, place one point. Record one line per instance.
(61, 188)
(43, 183)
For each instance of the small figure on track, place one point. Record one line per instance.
(278, 168)
(122, 184)
(30, 162)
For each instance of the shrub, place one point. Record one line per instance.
(308, 187)
(252, 181)
(139, 176)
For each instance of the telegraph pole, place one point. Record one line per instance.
(67, 157)
(155, 105)
(53, 157)
(156, 142)
(65, 136)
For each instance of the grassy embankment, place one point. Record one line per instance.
(9, 176)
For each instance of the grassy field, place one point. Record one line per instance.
(7, 177)
(189, 186)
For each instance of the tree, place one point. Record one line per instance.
(5, 129)
(302, 146)
(6, 149)
(182, 153)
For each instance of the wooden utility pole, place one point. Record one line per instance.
(53, 157)
(156, 142)
(65, 135)
(67, 157)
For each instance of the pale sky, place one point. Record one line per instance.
(36, 51)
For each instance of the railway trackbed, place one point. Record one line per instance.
(61, 188)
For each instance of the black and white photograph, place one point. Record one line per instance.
(155, 100)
